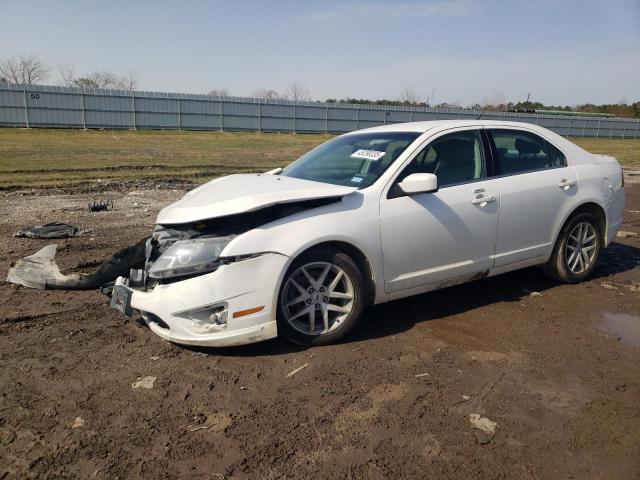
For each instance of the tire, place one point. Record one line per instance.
(563, 264)
(300, 299)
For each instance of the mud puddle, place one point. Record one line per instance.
(626, 327)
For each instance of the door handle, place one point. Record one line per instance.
(482, 200)
(565, 184)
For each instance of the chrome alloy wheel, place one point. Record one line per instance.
(317, 298)
(581, 247)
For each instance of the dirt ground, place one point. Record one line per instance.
(510, 377)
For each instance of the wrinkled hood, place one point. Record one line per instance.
(241, 193)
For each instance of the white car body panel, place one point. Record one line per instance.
(411, 244)
(523, 236)
(241, 284)
(241, 193)
(462, 235)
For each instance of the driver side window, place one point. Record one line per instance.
(454, 158)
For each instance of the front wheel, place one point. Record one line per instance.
(321, 298)
(576, 250)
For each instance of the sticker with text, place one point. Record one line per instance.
(356, 179)
(368, 154)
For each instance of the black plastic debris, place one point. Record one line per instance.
(48, 231)
(101, 206)
(40, 270)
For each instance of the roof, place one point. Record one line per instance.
(569, 148)
(431, 124)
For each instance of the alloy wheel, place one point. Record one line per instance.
(317, 298)
(581, 247)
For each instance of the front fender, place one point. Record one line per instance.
(353, 220)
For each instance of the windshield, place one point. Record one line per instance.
(356, 160)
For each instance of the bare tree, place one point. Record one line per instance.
(265, 94)
(409, 96)
(100, 79)
(298, 92)
(129, 81)
(494, 101)
(219, 92)
(68, 75)
(26, 70)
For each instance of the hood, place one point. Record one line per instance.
(245, 193)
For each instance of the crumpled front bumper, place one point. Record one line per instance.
(175, 311)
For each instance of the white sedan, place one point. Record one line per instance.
(368, 217)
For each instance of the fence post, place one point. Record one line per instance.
(26, 107)
(179, 114)
(624, 128)
(295, 111)
(133, 110)
(610, 129)
(357, 118)
(584, 125)
(84, 118)
(637, 125)
(326, 118)
(569, 129)
(221, 114)
(598, 130)
(411, 114)
(259, 115)
(436, 112)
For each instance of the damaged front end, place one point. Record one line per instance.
(179, 279)
(172, 254)
(189, 292)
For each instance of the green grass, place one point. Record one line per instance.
(627, 151)
(43, 157)
(57, 158)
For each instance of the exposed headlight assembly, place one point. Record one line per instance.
(189, 257)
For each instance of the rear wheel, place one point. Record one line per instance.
(576, 250)
(321, 298)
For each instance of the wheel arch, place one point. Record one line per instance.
(592, 208)
(356, 255)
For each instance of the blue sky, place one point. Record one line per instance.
(563, 51)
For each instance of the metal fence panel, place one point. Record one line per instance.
(105, 119)
(61, 107)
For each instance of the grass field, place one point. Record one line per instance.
(54, 158)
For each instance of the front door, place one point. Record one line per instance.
(433, 237)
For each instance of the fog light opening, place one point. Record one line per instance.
(219, 317)
(210, 318)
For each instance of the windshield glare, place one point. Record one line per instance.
(356, 160)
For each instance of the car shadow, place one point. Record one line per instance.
(616, 258)
(400, 315)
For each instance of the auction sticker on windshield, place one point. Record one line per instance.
(368, 154)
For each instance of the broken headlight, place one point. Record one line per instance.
(189, 257)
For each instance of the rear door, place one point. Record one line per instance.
(534, 183)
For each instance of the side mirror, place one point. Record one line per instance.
(419, 183)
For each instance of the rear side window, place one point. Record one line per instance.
(518, 152)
